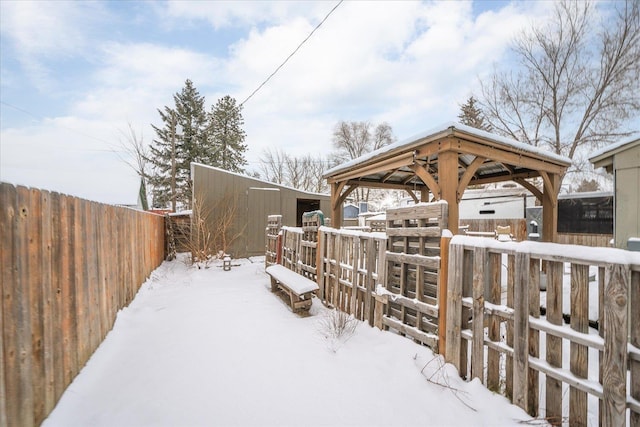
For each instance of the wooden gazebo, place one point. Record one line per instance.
(444, 161)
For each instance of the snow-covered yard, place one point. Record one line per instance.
(217, 348)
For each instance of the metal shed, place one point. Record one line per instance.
(623, 161)
(447, 159)
(254, 200)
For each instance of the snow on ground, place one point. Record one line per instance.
(217, 348)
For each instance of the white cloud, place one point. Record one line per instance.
(42, 31)
(226, 14)
(408, 63)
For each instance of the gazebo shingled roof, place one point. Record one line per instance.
(444, 161)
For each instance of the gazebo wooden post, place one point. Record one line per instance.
(424, 195)
(550, 208)
(336, 205)
(448, 181)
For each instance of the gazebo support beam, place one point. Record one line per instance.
(529, 186)
(337, 199)
(448, 179)
(468, 174)
(429, 180)
(413, 195)
(550, 207)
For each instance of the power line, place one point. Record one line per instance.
(292, 53)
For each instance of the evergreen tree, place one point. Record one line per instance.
(180, 141)
(471, 115)
(226, 136)
(163, 154)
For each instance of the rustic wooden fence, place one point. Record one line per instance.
(413, 264)
(348, 265)
(68, 266)
(351, 263)
(547, 362)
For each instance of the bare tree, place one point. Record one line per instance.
(577, 86)
(295, 171)
(303, 173)
(136, 157)
(354, 139)
(272, 165)
(201, 242)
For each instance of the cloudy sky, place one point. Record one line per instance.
(75, 74)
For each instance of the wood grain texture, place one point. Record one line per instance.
(554, 344)
(53, 315)
(617, 279)
(477, 325)
(521, 331)
(578, 352)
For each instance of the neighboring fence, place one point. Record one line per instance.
(492, 329)
(518, 226)
(593, 240)
(68, 266)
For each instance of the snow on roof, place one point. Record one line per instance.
(450, 126)
(609, 149)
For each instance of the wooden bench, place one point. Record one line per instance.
(298, 287)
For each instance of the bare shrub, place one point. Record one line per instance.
(222, 222)
(201, 244)
(212, 231)
(337, 327)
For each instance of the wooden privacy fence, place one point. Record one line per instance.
(546, 363)
(68, 266)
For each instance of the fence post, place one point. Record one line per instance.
(454, 305)
(534, 336)
(279, 248)
(634, 339)
(320, 264)
(614, 384)
(521, 331)
(380, 302)
(354, 278)
(477, 326)
(369, 284)
(442, 294)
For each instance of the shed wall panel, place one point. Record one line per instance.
(627, 201)
(213, 185)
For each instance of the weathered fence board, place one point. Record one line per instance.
(64, 263)
(554, 343)
(274, 224)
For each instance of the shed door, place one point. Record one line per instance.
(261, 202)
